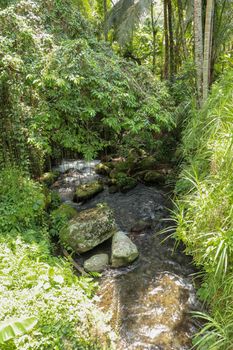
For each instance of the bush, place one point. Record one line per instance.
(205, 216)
(35, 284)
(58, 96)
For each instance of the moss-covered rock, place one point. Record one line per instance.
(154, 177)
(49, 178)
(125, 166)
(123, 182)
(126, 183)
(147, 163)
(103, 169)
(88, 229)
(87, 191)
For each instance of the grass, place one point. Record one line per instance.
(204, 211)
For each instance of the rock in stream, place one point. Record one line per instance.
(150, 300)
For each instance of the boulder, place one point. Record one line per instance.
(124, 251)
(88, 229)
(123, 182)
(87, 191)
(97, 263)
(154, 177)
(102, 169)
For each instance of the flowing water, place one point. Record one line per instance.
(149, 301)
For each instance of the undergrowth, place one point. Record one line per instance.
(35, 284)
(204, 214)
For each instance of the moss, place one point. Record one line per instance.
(65, 210)
(88, 229)
(147, 163)
(87, 191)
(126, 166)
(49, 178)
(154, 177)
(123, 182)
(102, 169)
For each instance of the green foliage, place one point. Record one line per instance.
(204, 213)
(56, 93)
(60, 216)
(36, 285)
(21, 202)
(12, 328)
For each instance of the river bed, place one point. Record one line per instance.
(149, 301)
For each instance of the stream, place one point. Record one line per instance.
(149, 301)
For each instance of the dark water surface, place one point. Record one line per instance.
(149, 301)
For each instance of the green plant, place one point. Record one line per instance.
(204, 214)
(36, 284)
(10, 329)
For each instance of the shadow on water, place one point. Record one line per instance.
(149, 301)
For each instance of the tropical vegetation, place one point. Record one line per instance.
(88, 79)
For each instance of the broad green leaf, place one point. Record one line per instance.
(13, 328)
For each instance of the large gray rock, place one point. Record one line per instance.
(87, 191)
(124, 251)
(88, 229)
(96, 263)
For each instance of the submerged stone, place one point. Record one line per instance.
(97, 263)
(88, 229)
(87, 191)
(124, 251)
(141, 225)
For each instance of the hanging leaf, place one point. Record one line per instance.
(10, 329)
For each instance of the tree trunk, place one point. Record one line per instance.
(198, 38)
(208, 47)
(171, 40)
(182, 30)
(105, 8)
(153, 35)
(166, 49)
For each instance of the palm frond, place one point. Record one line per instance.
(124, 17)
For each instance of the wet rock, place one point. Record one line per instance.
(154, 177)
(123, 182)
(123, 167)
(113, 189)
(88, 229)
(140, 226)
(124, 251)
(97, 263)
(87, 191)
(102, 169)
(49, 178)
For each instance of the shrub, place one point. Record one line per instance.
(205, 216)
(34, 284)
